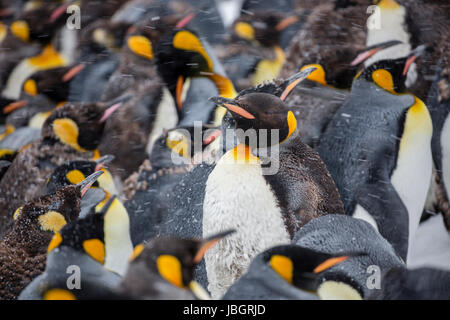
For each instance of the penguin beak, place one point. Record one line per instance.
(185, 21)
(327, 264)
(179, 92)
(103, 160)
(370, 51)
(14, 106)
(207, 243)
(286, 22)
(417, 52)
(212, 137)
(73, 72)
(294, 80)
(114, 106)
(198, 291)
(88, 182)
(58, 12)
(232, 106)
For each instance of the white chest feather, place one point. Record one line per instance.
(118, 245)
(17, 77)
(411, 177)
(238, 197)
(390, 26)
(445, 149)
(362, 214)
(166, 118)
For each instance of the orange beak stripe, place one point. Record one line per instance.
(408, 64)
(14, 106)
(201, 252)
(289, 88)
(329, 263)
(73, 72)
(240, 111)
(286, 22)
(179, 91)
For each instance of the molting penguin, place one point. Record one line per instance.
(332, 48)
(75, 171)
(263, 196)
(164, 268)
(314, 102)
(129, 131)
(23, 249)
(378, 150)
(87, 244)
(290, 272)
(70, 133)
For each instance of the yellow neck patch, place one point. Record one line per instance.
(59, 294)
(137, 251)
(383, 79)
(169, 267)
(6, 152)
(283, 266)
(95, 248)
(141, 46)
(243, 154)
(185, 40)
(52, 221)
(244, 30)
(8, 130)
(292, 123)
(17, 213)
(317, 75)
(106, 182)
(388, 4)
(67, 132)
(21, 30)
(30, 87)
(269, 69)
(55, 242)
(75, 176)
(3, 31)
(49, 58)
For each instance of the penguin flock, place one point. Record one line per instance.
(171, 149)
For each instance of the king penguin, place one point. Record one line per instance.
(263, 196)
(83, 243)
(378, 150)
(289, 272)
(23, 250)
(72, 132)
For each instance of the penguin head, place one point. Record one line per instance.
(302, 268)
(41, 22)
(387, 4)
(79, 125)
(181, 54)
(265, 27)
(174, 259)
(181, 141)
(391, 75)
(74, 172)
(94, 235)
(263, 108)
(44, 216)
(53, 83)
